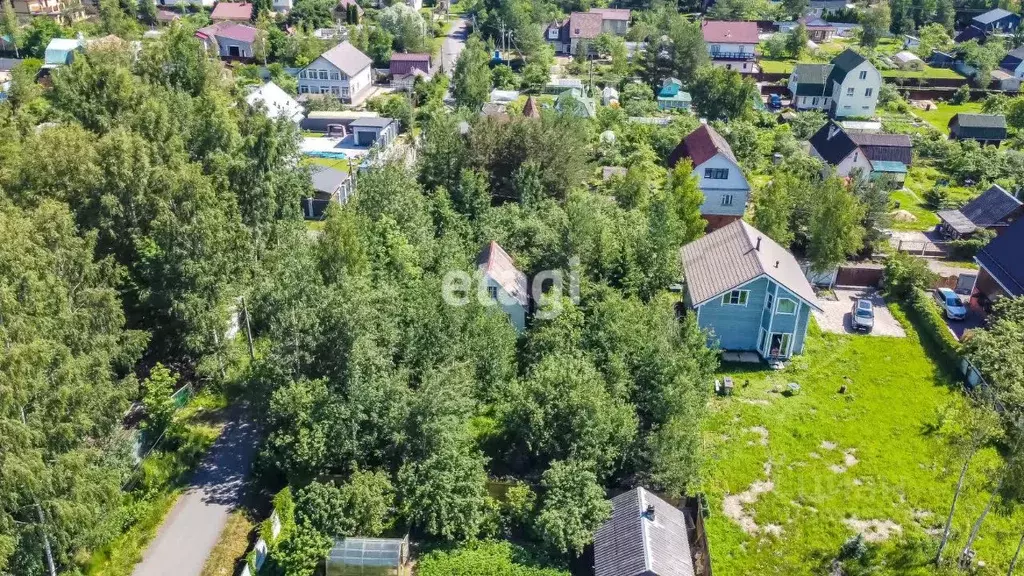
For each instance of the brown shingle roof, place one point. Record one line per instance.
(585, 25)
(730, 32)
(497, 264)
(700, 145)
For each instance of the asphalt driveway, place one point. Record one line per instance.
(836, 313)
(193, 526)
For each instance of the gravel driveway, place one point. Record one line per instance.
(836, 315)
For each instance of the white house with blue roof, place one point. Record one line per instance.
(748, 292)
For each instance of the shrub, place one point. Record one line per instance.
(905, 274)
(966, 248)
(925, 314)
(937, 198)
(962, 94)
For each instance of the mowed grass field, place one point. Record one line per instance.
(940, 116)
(790, 478)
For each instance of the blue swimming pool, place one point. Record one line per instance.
(330, 155)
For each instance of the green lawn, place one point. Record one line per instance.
(941, 114)
(836, 459)
(923, 178)
(928, 72)
(337, 164)
(925, 217)
(776, 66)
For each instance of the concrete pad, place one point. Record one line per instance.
(742, 357)
(836, 313)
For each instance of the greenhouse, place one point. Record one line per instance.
(369, 557)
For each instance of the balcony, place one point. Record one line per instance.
(740, 56)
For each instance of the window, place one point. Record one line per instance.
(814, 101)
(786, 306)
(335, 76)
(325, 89)
(335, 90)
(769, 299)
(716, 173)
(856, 156)
(727, 200)
(302, 74)
(849, 91)
(303, 89)
(728, 66)
(736, 298)
(715, 48)
(869, 91)
(323, 74)
(492, 291)
(863, 75)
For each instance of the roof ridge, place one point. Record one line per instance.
(751, 245)
(643, 528)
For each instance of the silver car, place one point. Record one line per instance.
(862, 317)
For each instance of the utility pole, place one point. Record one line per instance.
(245, 311)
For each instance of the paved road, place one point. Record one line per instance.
(194, 524)
(453, 44)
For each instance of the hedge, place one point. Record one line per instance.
(926, 316)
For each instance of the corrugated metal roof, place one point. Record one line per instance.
(633, 543)
(734, 255)
(1002, 258)
(991, 207)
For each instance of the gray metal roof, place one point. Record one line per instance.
(734, 255)
(988, 209)
(810, 79)
(632, 543)
(347, 58)
(379, 122)
(991, 16)
(327, 180)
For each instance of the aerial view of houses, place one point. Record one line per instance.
(511, 288)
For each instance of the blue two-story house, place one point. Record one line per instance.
(748, 291)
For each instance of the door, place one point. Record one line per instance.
(761, 338)
(780, 345)
(234, 52)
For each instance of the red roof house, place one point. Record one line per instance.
(232, 12)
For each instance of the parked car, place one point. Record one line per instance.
(862, 317)
(775, 101)
(950, 303)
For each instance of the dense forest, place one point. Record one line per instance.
(142, 199)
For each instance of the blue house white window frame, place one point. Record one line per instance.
(741, 298)
(780, 311)
(769, 301)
